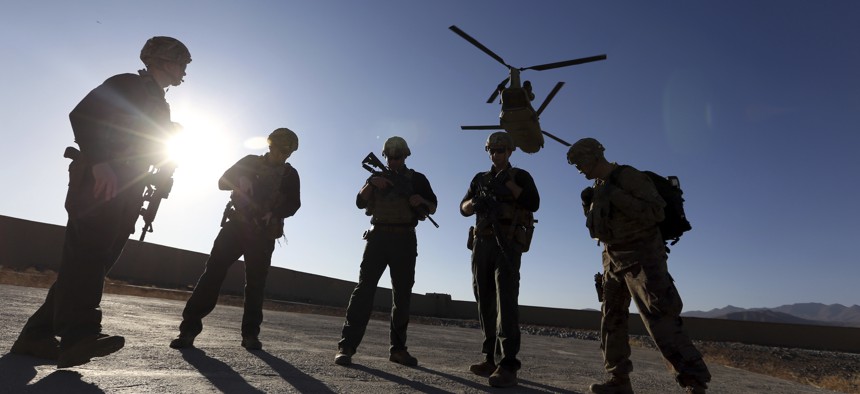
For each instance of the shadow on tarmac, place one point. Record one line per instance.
(221, 375)
(20, 370)
(292, 375)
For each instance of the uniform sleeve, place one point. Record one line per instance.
(244, 167)
(422, 188)
(470, 193)
(105, 115)
(636, 196)
(529, 198)
(291, 195)
(360, 202)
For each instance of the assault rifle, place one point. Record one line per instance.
(159, 185)
(401, 186)
(486, 205)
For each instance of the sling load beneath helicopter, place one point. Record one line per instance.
(518, 117)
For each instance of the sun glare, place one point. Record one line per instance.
(199, 149)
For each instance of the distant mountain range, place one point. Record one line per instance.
(804, 313)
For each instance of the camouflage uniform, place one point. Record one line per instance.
(496, 262)
(623, 215)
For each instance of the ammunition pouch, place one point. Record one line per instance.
(273, 230)
(598, 286)
(523, 237)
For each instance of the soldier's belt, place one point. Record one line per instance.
(394, 228)
(488, 231)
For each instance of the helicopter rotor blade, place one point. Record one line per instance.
(480, 46)
(549, 97)
(481, 128)
(501, 86)
(566, 63)
(563, 142)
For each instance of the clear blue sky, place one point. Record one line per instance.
(754, 105)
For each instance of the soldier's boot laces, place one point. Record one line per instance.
(617, 384)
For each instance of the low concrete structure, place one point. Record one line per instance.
(25, 244)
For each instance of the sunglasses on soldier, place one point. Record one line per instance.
(494, 151)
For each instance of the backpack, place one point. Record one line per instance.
(675, 221)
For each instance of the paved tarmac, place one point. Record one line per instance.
(298, 353)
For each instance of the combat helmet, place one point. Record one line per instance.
(586, 150)
(395, 147)
(164, 48)
(284, 140)
(500, 139)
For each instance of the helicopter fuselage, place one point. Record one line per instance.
(520, 119)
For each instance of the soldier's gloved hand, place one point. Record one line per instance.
(480, 204)
(587, 196)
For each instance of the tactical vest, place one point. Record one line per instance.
(515, 222)
(266, 181)
(389, 207)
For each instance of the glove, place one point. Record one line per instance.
(480, 204)
(587, 195)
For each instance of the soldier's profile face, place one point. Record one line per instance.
(585, 168)
(176, 72)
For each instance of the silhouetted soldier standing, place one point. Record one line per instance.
(265, 191)
(623, 209)
(396, 205)
(504, 199)
(121, 128)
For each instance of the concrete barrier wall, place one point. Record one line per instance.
(25, 244)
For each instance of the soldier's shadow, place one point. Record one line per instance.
(523, 386)
(416, 386)
(221, 375)
(299, 380)
(18, 371)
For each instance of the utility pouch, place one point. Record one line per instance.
(470, 241)
(598, 286)
(274, 229)
(523, 237)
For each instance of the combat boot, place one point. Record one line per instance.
(252, 343)
(617, 384)
(403, 357)
(343, 356)
(182, 341)
(84, 350)
(485, 368)
(503, 377)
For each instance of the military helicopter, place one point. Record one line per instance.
(518, 117)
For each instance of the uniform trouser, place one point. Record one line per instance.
(653, 290)
(496, 283)
(95, 236)
(397, 251)
(235, 239)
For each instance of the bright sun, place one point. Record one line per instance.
(199, 149)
